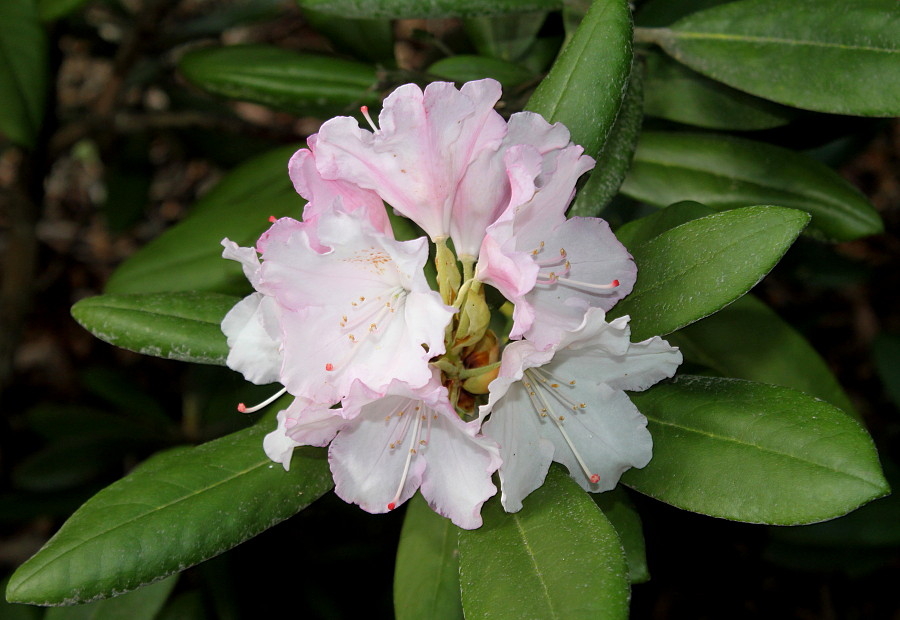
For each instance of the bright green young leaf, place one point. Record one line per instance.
(748, 340)
(505, 37)
(465, 68)
(289, 81)
(725, 172)
(177, 509)
(23, 71)
(700, 267)
(621, 512)
(678, 94)
(178, 326)
(824, 55)
(615, 158)
(426, 576)
(50, 10)
(188, 256)
(753, 452)
(367, 39)
(559, 557)
(587, 83)
(403, 9)
(141, 604)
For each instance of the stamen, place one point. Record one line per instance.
(245, 409)
(365, 112)
(557, 420)
(552, 278)
(413, 440)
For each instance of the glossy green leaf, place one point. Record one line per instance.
(178, 326)
(177, 509)
(290, 81)
(725, 172)
(752, 452)
(615, 158)
(50, 10)
(559, 557)
(825, 55)
(663, 12)
(748, 340)
(367, 39)
(142, 604)
(17, 611)
(640, 231)
(587, 83)
(700, 267)
(505, 37)
(679, 94)
(188, 256)
(426, 576)
(621, 512)
(23, 71)
(465, 68)
(403, 9)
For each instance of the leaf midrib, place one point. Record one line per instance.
(746, 38)
(537, 572)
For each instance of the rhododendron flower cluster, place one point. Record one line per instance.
(431, 389)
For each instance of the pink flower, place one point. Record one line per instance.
(551, 268)
(386, 446)
(567, 404)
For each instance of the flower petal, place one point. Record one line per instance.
(250, 328)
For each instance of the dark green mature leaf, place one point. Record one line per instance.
(177, 509)
(142, 604)
(465, 68)
(640, 231)
(23, 71)
(587, 83)
(748, 340)
(678, 94)
(700, 267)
(50, 10)
(188, 256)
(178, 326)
(426, 576)
(506, 37)
(663, 12)
(403, 9)
(559, 557)
(725, 172)
(753, 452)
(621, 512)
(367, 39)
(290, 81)
(615, 158)
(824, 55)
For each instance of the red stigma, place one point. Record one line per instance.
(273, 219)
(615, 283)
(364, 109)
(242, 407)
(392, 505)
(329, 366)
(595, 479)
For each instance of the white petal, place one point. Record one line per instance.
(254, 351)
(277, 445)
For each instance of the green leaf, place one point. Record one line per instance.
(367, 39)
(142, 604)
(50, 10)
(178, 326)
(426, 576)
(587, 83)
(23, 71)
(725, 172)
(298, 83)
(663, 12)
(748, 340)
(824, 55)
(507, 37)
(188, 256)
(700, 267)
(403, 9)
(678, 94)
(177, 509)
(640, 231)
(615, 158)
(465, 68)
(559, 557)
(621, 512)
(752, 452)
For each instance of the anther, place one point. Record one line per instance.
(245, 409)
